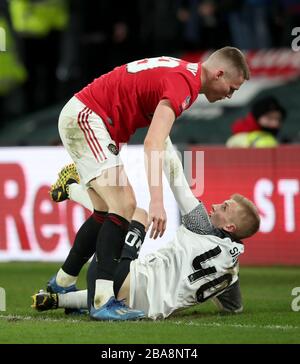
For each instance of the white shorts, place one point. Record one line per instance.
(85, 137)
(149, 289)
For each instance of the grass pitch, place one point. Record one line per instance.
(267, 317)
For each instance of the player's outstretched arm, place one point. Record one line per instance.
(194, 214)
(154, 146)
(174, 172)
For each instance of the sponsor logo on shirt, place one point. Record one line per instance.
(193, 68)
(186, 103)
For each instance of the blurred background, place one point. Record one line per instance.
(50, 49)
(55, 47)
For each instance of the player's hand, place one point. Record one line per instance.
(158, 218)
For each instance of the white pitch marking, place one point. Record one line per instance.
(182, 323)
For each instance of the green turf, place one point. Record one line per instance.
(267, 317)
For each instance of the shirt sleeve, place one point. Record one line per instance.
(176, 89)
(175, 175)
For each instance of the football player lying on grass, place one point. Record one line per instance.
(200, 263)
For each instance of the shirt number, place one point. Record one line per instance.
(217, 284)
(150, 63)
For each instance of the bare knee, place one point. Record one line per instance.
(119, 199)
(124, 207)
(140, 215)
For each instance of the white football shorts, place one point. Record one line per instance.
(85, 137)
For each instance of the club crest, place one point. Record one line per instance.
(113, 149)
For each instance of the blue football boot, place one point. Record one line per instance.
(53, 287)
(115, 310)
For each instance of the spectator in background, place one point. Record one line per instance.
(200, 21)
(39, 26)
(12, 70)
(285, 16)
(260, 127)
(104, 36)
(249, 23)
(159, 28)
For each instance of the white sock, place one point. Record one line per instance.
(78, 194)
(64, 279)
(76, 299)
(103, 291)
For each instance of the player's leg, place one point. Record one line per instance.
(91, 281)
(44, 301)
(67, 186)
(80, 195)
(230, 301)
(89, 144)
(133, 242)
(120, 200)
(75, 134)
(82, 250)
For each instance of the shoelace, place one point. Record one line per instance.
(122, 303)
(118, 303)
(112, 303)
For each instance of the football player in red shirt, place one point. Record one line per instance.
(97, 120)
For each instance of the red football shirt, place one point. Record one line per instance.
(127, 97)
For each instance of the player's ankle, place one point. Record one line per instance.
(103, 292)
(64, 279)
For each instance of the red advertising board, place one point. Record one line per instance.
(32, 227)
(271, 179)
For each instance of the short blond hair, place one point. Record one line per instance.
(235, 57)
(248, 217)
